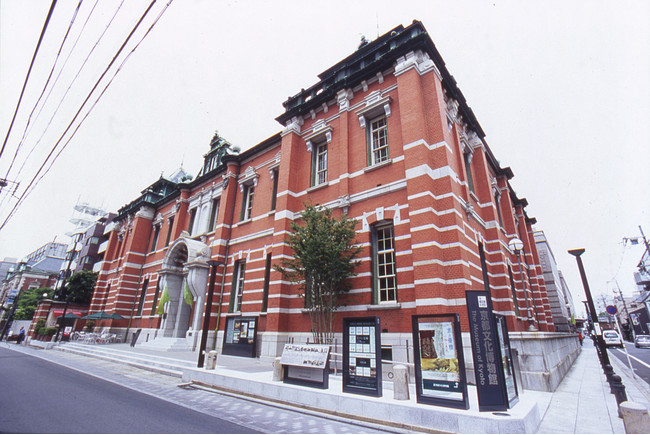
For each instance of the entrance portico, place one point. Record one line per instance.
(184, 269)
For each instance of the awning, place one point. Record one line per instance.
(59, 312)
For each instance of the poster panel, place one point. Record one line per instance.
(439, 363)
(362, 356)
(240, 338)
(506, 361)
(486, 350)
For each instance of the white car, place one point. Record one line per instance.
(612, 339)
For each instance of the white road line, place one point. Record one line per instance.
(635, 358)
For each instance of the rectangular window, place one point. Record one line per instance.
(154, 240)
(143, 293)
(155, 298)
(170, 222)
(468, 169)
(499, 215)
(237, 292)
(514, 292)
(214, 212)
(267, 279)
(378, 140)
(384, 271)
(274, 193)
(190, 227)
(319, 164)
(247, 203)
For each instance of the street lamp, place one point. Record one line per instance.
(517, 246)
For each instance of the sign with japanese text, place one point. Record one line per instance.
(486, 350)
(306, 364)
(362, 356)
(439, 363)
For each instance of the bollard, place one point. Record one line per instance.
(635, 417)
(609, 372)
(278, 372)
(211, 361)
(400, 382)
(618, 389)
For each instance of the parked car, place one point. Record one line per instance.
(612, 339)
(642, 341)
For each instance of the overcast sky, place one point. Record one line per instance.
(561, 89)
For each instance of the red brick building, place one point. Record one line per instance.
(385, 136)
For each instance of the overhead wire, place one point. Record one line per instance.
(47, 82)
(62, 99)
(36, 179)
(31, 65)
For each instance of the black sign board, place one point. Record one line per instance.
(306, 364)
(240, 338)
(362, 356)
(439, 363)
(486, 349)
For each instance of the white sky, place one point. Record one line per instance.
(561, 89)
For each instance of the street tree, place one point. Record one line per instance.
(80, 286)
(324, 259)
(28, 300)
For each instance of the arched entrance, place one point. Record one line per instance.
(185, 267)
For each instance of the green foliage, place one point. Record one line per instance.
(79, 287)
(324, 259)
(40, 325)
(28, 300)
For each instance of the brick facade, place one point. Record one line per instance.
(450, 228)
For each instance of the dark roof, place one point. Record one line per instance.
(373, 57)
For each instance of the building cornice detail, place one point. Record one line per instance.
(417, 59)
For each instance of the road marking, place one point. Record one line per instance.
(635, 358)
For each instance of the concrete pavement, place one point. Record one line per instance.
(581, 404)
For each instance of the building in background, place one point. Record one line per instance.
(559, 296)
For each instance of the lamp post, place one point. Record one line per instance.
(517, 246)
(208, 310)
(600, 343)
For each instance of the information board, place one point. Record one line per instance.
(306, 364)
(486, 349)
(362, 356)
(240, 338)
(439, 363)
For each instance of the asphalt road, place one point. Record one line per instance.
(41, 397)
(640, 359)
(60, 392)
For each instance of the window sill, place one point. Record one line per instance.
(318, 187)
(377, 166)
(385, 306)
(234, 314)
(473, 195)
(244, 222)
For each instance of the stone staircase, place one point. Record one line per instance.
(166, 344)
(108, 352)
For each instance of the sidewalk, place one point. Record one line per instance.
(581, 404)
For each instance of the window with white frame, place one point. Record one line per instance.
(237, 292)
(378, 140)
(190, 226)
(319, 164)
(384, 264)
(247, 202)
(214, 212)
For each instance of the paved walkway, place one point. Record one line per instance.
(581, 404)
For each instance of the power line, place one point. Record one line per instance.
(38, 45)
(47, 82)
(34, 180)
(62, 99)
